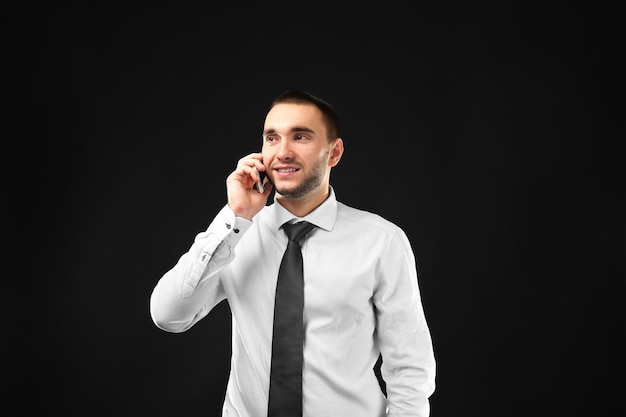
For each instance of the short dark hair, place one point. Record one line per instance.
(303, 97)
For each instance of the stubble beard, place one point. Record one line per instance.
(310, 183)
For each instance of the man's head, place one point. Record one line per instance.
(301, 144)
(302, 97)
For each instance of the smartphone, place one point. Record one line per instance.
(259, 184)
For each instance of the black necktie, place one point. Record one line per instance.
(285, 397)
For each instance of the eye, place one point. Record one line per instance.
(299, 137)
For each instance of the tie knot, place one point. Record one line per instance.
(296, 231)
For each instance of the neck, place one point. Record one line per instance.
(302, 206)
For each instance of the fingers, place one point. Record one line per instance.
(251, 165)
(243, 198)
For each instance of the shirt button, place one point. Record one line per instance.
(236, 230)
(227, 225)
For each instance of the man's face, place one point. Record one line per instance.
(296, 150)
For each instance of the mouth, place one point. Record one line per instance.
(285, 172)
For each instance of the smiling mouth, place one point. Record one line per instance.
(286, 169)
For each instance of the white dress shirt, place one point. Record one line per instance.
(361, 299)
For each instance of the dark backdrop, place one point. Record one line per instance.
(486, 133)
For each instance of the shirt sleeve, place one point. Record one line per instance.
(408, 366)
(189, 291)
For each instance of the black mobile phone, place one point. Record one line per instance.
(260, 185)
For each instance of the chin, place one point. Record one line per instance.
(290, 192)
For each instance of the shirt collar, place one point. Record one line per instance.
(324, 216)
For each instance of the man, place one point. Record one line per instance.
(361, 294)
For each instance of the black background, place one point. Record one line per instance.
(488, 133)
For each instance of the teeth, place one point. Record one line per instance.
(287, 170)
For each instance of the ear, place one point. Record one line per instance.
(336, 151)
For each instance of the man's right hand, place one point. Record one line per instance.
(245, 200)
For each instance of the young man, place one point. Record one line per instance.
(361, 294)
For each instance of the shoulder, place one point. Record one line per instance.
(367, 219)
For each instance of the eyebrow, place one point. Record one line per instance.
(295, 129)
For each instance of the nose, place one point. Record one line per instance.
(284, 151)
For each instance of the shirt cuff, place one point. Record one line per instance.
(214, 246)
(232, 227)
